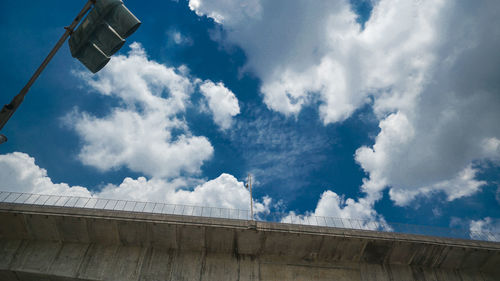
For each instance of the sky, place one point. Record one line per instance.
(381, 110)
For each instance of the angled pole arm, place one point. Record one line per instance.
(10, 108)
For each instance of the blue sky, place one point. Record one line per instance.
(379, 110)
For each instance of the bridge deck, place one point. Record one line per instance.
(59, 243)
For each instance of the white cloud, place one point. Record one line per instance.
(222, 103)
(141, 135)
(146, 133)
(20, 173)
(463, 184)
(429, 67)
(322, 55)
(223, 192)
(412, 166)
(226, 11)
(491, 148)
(178, 38)
(143, 143)
(487, 228)
(355, 213)
(142, 84)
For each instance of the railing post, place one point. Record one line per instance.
(76, 201)
(28, 198)
(48, 197)
(114, 207)
(34, 201)
(88, 200)
(17, 198)
(105, 205)
(69, 199)
(55, 202)
(116, 203)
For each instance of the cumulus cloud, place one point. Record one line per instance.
(432, 142)
(143, 143)
(487, 228)
(223, 192)
(408, 163)
(140, 135)
(145, 133)
(463, 184)
(355, 213)
(20, 173)
(429, 69)
(226, 11)
(222, 103)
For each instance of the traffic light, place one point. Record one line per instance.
(102, 33)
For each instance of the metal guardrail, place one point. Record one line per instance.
(121, 205)
(349, 223)
(213, 212)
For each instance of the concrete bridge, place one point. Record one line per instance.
(61, 243)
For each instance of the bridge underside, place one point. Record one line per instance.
(38, 243)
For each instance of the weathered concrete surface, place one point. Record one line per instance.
(48, 243)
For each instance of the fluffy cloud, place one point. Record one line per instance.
(141, 142)
(226, 11)
(463, 184)
(429, 68)
(356, 213)
(140, 135)
(19, 172)
(146, 133)
(486, 228)
(431, 143)
(222, 103)
(412, 164)
(224, 192)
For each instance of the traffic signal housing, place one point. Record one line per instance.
(102, 33)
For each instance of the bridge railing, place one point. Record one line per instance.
(121, 205)
(214, 212)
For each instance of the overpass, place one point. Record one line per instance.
(56, 242)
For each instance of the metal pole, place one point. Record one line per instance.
(27, 199)
(10, 108)
(251, 199)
